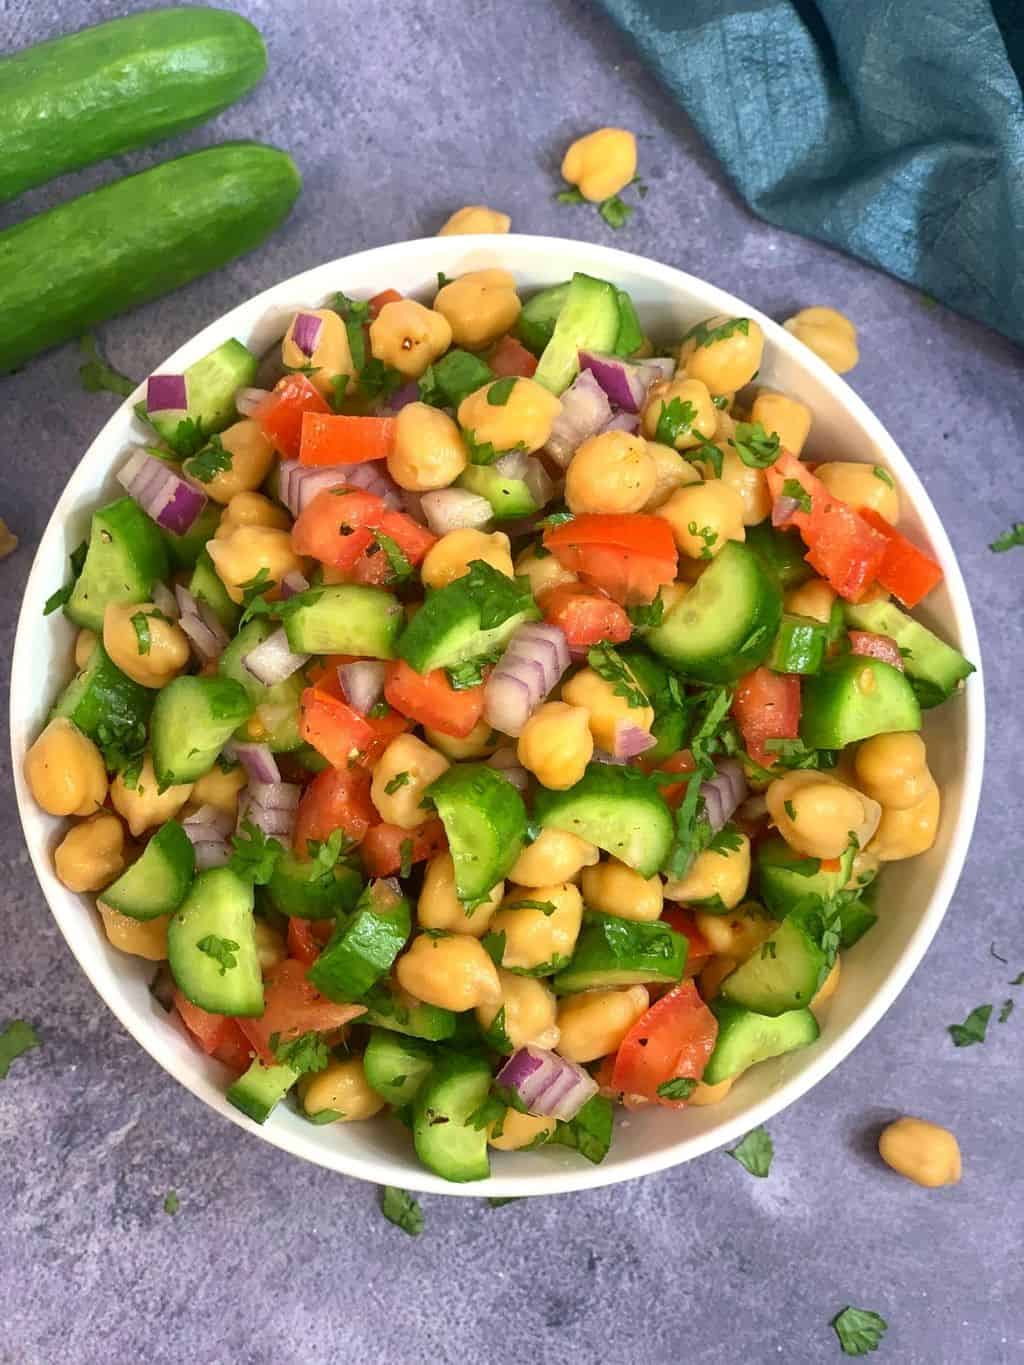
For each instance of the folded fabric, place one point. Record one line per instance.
(891, 128)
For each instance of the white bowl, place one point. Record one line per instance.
(913, 895)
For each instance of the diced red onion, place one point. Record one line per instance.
(408, 393)
(506, 762)
(166, 393)
(256, 759)
(511, 465)
(659, 367)
(299, 484)
(293, 583)
(723, 793)
(623, 421)
(872, 646)
(163, 494)
(508, 702)
(783, 509)
(162, 598)
(306, 331)
(532, 666)
(249, 400)
(373, 478)
(273, 660)
(585, 409)
(548, 1085)
(632, 740)
(271, 807)
(412, 504)
(539, 482)
(208, 823)
(212, 853)
(274, 795)
(625, 384)
(206, 634)
(455, 509)
(363, 683)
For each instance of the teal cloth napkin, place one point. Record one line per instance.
(893, 129)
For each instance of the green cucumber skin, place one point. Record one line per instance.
(104, 253)
(91, 95)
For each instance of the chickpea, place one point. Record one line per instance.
(252, 509)
(403, 773)
(816, 813)
(861, 486)
(251, 453)
(703, 517)
(524, 421)
(593, 1023)
(452, 555)
(615, 889)
(664, 393)
(713, 973)
(893, 769)
(544, 572)
(440, 908)
(519, 1130)
(828, 987)
(331, 356)
(815, 599)
(751, 485)
(530, 1009)
(270, 946)
(601, 164)
(554, 856)
(829, 334)
(219, 789)
(85, 643)
(534, 939)
(671, 471)
(922, 1151)
(787, 416)
(711, 1094)
(64, 771)
(409, 337)
(479, 307)
(428, 450)
(453, 972)
(723, 353)
(906, 833)
(608, 711)
(479, 743)
(736, 935)
(713, 874)
(151, 651)
(556, 744)
(343, 1088)
(142, 938)
(144, 806)
(611, 472)
(91, 854)
(246, 550)
(473, 219)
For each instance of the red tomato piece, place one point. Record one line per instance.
(767, 706)
(341, 734)
(675, 1038)
(874, 646)
(586, 615)
(429, 699)
(330, 438)
(337, 798)
(292, 1006)
(281, 414)
(385, 296)
(680, 762)
(907, 572)
(680, 919)
(216, 1034)
(382, 848)
(510, 357)
(306, 937)
(629, 557)
(337, 528)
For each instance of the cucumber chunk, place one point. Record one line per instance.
(205, 586)
(363, 948)
(218, 910)
(277, 706)
(618, 809)
(103, 699)
(745, 1038)
(934, 668)
(210, 388)
(782, 552)
(396, 1067)
(853, 698)
(536, 322)
(126, 556)
(445, 1141)
(799, 646)
(485, 821)
(192, 721)
(587, 321)
(783, 973)
(454, 378)
(509, 498)
(630, 336)
(301, 887)
(448, 629)
(259, 1090)
(158, 881)
(185, 550)
(781, 887)
(345, 619)
(391, 1008)
(620, 952)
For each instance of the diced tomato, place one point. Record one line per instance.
(510, 357)
(767, 706)
(335, 438)
(216, 1034)
(874, 646)
(675, 1038)
(907, 572)
(430, 699)
(280, 415)
(337, 798)
(341, 734)
(586, 615)
(323, 673)
(306, 937)
(292, 1007)
(841, 545)
(681, 762)
(385, 296)
(337, 528)
(629, 557)
(680, 919)
(382, 848)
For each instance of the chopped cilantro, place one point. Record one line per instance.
(557, 519)
(377, 380)
(96, 375)
(323, 1116)
(17, 1038)
(405, 854)
(356, 310)
(727, 840)
(171, 1203)
(493, 945)
(401, 569)
(573, 196)
(326, 853)
(615, 211)
(793, 488)
(1005, 1011)
(255, 854)
(647, 613)
(755, 1152)
(308, 1052)
(496, 1203)
(212, 460)
(721, 402)
(973, 1029)
(497, 597)
(222, 950)
(790, 809)
(1007, 541)
(442, 280)
(703, 335)
(398, 781)
(590, 1132)
(188, 437)
(469, 674)
(339, 390)
(545, 907)
(479, 452)
(706, 534)
(1018, 980)
(58, 598)
(608, 664)
(754, 446)
(402, 1209)
(493, 1110)
(859, 1330)
(675, 419)
(500, 391)
(768, 950)
(681, 1088)
(306, 369)
(883, 474)
(804, 867)
(122, 741)
(794, 753)
(141, 631)
(707, 451)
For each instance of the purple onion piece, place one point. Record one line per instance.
(625, 384)
(212, 853)
(401, 398)
(273, 660)
(274, 795)
(723, 793)
(162, 597)
(363, 683)
(455, 509)
(623, 421)
(512, 465)
(293, 583)
(164, 495)
(166, 393)
(548, 1085)
(306, 331)
(256, 759)
(585, 409)
(208, 822)
(507, 703)
(539, 483)
(373, 479)
(205, 633)
(248, 401)
(783, 509)
(633, 740)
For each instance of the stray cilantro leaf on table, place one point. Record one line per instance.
(17, 1039)
(859, 1330)
(973, 1029)
(615, 211)
(402, 1209)
(1005, 1011)
(573, 196)
(497, 1203)
(97, 375)
(754, 1153)
(1018, 980)
(1009, 539)
(172, 1203)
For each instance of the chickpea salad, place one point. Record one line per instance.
(492, 719)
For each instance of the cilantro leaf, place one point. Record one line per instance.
(675, 419)
(608, 664)
(647, 613)
(479, 452)
(141, 626)
(754, 446)
(500, 391)
(883, 474)
(859, 1330)
(590, 1132)
(402, 1209)
(188, 437)
(405, 854)
(706, 534)
(493, 1109)
(1018, 980)
(754, 1153)
(1005, 1011)
(222, 950)
(545, 907)
(17, 1038)
(727, 840)
(493, 945)
(96, 375)
(255, 855)
(703, 335)
(615, 211)
(122, 740)
(401, 569)
(171, 1203)
(794, 753)
(399, 780)
(339, 390)
(973, 1029)
(308, 1052)
(469, 674)
(58, 598)
(573, 196)
(212, 460)
(679, 1088)
(377, 380)
(498, 598)
(1014, 536)
(707, 451)
(497, 1203)
(793, 488)
(325, 853)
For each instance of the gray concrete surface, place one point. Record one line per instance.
(399, 114)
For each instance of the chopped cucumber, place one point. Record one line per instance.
(799, 646)
(206, 586)
(485, 821)
(210, 388)
(934, 668)
(396, 1067)
(126, 556)
(393, 1009)
(782, 552)
(363, 948)
(259, 1090)
(537, 320)
(745, 1038)
(277, 707)
(784, 877)
(185, 550)
(192, 721)
(103, 700)
(783, 973)
(447, 629)
(345, 619)
(446, 1142)
(618, 809)
(618, 952)
(509, 498)
(211, 946)
(587, 321)
(855, 697)
(158, 881)
(301, 887)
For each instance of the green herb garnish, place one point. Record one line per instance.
(608, 664)
(859, 1330)
(755, 1152)
(973, 1029)
(1014, 536)
(212, 460)
(255, 855)
(680, 1088)
(97, 375)
(500, 391)
(675, 420)
(17, 1039)
(755, 447)
(222, 950)
(793, 488)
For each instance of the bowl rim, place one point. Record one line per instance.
(828, 1054)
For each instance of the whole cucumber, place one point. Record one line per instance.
(108, 251)
(79, 99)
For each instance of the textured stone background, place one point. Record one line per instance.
(398, 114)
